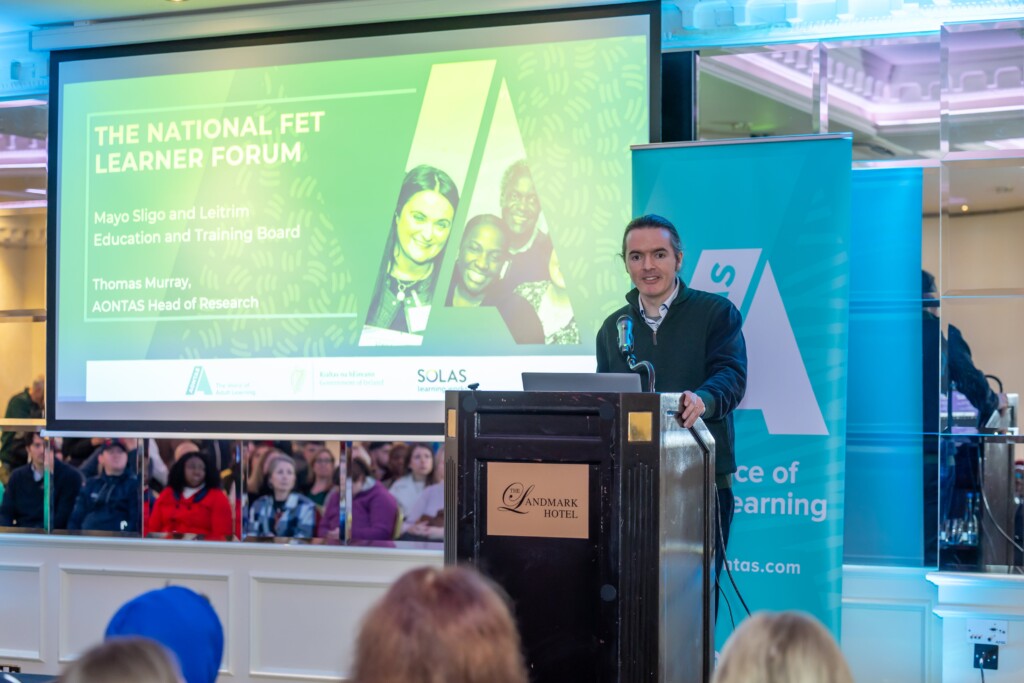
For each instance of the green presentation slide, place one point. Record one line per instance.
(370, 227)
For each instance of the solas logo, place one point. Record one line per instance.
(777, 380)
(441, 376)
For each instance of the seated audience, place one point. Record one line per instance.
(24, 501)
(184, 448)
(310, 449)
(111, 500)
(786, 647)
(424, 520)
(181, 620)
(77, 451)
(283, 512)
(324, 473)
(374, 509)
(124, 660)
(193, 503)
(91, 467)
(156, 468)
(333, 520)
(256, 474)
(380, 458)
(398, 463)
(418, 469)
(434, 625)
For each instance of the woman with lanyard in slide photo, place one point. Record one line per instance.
(420, 227)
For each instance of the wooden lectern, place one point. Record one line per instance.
(594, 511)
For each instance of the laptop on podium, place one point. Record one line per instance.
(584, 382)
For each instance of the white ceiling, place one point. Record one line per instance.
(23, 15)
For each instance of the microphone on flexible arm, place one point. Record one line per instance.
(624, 333)
(624, 327)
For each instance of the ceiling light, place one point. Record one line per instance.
(965, 208)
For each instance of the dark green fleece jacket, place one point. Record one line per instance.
(698, 347)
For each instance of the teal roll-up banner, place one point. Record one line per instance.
(766, 223)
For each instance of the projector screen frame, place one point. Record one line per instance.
(322, 424)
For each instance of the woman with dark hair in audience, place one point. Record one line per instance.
(419, 470)
(193, 502)
(282, 512)
(124, 660)
(787, 647)
(398, 464)
(433, 625)
(420, 227)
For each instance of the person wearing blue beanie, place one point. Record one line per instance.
(181, 620)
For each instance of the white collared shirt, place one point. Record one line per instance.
(655, 323)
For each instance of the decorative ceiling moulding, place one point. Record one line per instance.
(696, 24)
(180, 25)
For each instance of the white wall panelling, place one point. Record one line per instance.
(292, 612)
(889, 631)
(22, 599)
(979, 596)
(316, 659)
(289, 612)
(90, 595)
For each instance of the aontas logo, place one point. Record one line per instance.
(199, 382)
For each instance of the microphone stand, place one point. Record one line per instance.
(636, 366)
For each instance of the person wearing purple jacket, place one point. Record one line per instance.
(374, 509)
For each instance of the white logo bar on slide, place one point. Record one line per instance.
(314, 379)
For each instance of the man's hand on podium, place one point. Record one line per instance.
(691, 407)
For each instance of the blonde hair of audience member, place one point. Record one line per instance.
(783, 647)
(124, 660)
(324, 478)
(434, 625)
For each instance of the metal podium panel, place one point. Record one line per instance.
(591, 511)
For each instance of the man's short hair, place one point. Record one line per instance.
(514, 172)
(653, 220)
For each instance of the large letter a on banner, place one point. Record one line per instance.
(777, 381)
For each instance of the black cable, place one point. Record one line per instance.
(988, 511)
(725, 557)
(732, 620)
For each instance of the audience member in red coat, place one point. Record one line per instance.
(192, 503)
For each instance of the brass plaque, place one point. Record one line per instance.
(640, 426)
(538, 500)
(451, 423)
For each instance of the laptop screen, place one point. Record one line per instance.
(593, 382)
